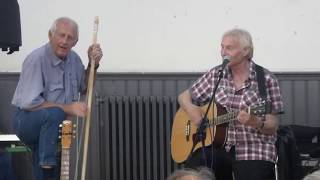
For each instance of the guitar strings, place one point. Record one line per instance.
(78, 143)
(211, 136)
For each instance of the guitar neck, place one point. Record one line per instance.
(225, 118)
(231, 116)
(65, 156)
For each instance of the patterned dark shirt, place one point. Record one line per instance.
(249, 143)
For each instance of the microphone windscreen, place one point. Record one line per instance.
(225, 61)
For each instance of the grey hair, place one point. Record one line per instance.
(64, 19)
(313, 176)
(201, 174)
(243, 37)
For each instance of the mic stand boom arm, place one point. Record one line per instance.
(200, 134)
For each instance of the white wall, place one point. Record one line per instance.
(178, 35)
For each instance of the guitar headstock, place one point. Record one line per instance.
(259, 109)
(66, 134)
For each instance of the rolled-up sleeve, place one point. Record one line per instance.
(30, 87)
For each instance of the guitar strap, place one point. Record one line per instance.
(262, 87)
(261, 82)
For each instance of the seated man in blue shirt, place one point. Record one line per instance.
(51, 80)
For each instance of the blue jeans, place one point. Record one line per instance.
(40, 130)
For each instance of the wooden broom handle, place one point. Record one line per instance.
(89, 104)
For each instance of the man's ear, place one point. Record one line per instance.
(245, 52)
(50, 35)
(75, 42)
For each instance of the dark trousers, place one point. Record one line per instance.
(225, 166)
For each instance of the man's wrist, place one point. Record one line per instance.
(95, 67)
(260, 125)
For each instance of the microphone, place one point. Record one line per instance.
(226, 60)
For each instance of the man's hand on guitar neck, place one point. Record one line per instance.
(249, 120)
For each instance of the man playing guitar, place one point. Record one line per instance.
(249, 151)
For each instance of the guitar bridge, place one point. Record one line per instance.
(187, 130)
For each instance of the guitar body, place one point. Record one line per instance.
(184, 133)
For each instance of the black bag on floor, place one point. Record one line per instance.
(289, 161)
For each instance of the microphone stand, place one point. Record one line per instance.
(200, 135)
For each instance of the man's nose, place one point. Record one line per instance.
(223, 52)
(65, 40)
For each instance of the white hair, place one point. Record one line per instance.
(202, 173)
(243, 37)
(64, 19)
(313, 176)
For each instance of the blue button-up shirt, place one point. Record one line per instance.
(45, 77)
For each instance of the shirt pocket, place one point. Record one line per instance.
(250, 98)
(56, 91)
(222, 95)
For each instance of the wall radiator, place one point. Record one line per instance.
(134, 135)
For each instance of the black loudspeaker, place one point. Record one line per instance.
(308, 143)
(307, 139)
(10, 31)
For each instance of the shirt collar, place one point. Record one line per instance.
(55, 61)
(252, 72)
(251, 77)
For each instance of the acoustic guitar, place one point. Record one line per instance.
(66, 136)
(184, 132)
